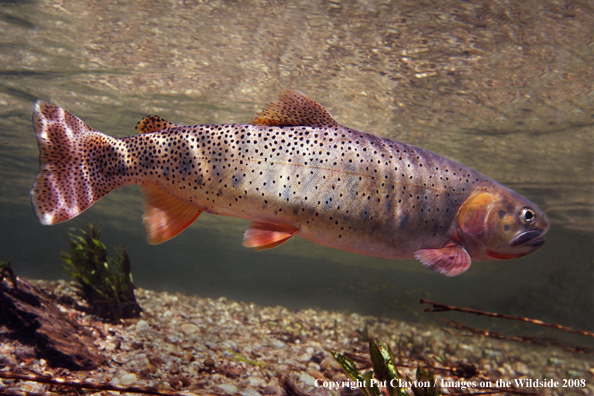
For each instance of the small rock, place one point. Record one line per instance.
(229, 389)
(137, 345)
(174, 368)
(121, 359)
(521, 368)
(211, 345)
(256, 382)
(272, 390)
(313, 366)
(307, 379)
(277, 344)
(249, 392)
(142, 325)
(128, 379)
(189, 329)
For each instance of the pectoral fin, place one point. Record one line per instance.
(262, 236)
(450, 260)
(165, 215)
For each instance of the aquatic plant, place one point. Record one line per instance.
(386, 374)
(105, 282)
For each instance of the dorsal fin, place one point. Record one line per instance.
(153, 123)
(293, 108)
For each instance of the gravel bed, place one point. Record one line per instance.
(192, 345)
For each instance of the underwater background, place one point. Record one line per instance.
(504, 87)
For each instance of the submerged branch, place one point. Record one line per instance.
(71, 383)
(439, 307)
(526, 339)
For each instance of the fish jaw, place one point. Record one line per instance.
(497, 223)
(529, 240)
(532, 238)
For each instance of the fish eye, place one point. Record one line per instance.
(527, 215)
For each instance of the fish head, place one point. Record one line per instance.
(498, 223)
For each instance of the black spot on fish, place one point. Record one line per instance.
(237, 179)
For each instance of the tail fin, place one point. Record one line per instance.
(65, 184)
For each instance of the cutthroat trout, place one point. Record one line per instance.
(292, 171)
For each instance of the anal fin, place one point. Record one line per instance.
(450, 260)
(165, 215)
(262, 236)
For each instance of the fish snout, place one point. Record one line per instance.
(530, 238)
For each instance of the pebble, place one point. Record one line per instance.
(521, 368)
(277, 344)
(128, 379)
(229, 389)
(307, 379)
(189, 329)
(256, 382)
(249, 392)
(142, 325)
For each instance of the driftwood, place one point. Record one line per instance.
(33, 319)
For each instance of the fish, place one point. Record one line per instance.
(292, 171)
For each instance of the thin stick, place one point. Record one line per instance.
(439, 307)
(83, 384)
(529, 340)
(19, 393)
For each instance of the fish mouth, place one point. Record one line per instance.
(529, 238)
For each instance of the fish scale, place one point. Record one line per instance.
(292, 171)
